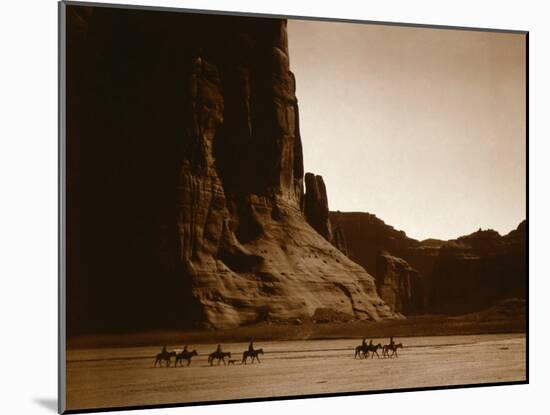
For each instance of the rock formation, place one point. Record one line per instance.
(316, 205)
(185, 183)
(399, 284)
(478, 270)
(470, 273)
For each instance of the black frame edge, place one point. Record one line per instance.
(61, 241)
(294, 397)
(292, 17)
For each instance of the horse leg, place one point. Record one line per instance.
(257, 357)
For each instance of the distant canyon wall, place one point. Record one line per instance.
(467, 274)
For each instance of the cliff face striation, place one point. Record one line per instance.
(399, 284)
(316, 206)
(479, 270)
(467, 274)
(186, 179)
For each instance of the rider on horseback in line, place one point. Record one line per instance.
(219, 349)
(251, 345)
(392, 343)
(164, 351)
(185, 348)
(364, 343)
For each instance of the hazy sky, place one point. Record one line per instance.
(424, 128)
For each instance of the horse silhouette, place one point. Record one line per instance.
(252, 354)
(185, 355)
(393, 347)
(373, 349)
(164, 356)
(360, 351)
(218, 355)
(363, 350)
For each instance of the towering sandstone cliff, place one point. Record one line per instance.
(186, 189)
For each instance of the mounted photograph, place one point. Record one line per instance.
(259, 207)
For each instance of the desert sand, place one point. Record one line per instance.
(114, 377)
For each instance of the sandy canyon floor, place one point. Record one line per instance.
(114, 377)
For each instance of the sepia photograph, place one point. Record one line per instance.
(260, 207)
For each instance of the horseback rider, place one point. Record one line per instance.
(364, 343)
(185, 348)
(219, 349)
(164, 351)
(251, 345)
(392, 343)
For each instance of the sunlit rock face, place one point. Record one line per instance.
(195, 213)
(245, 243)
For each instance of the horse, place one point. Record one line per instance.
(253, 354)
(166, 356)
(393, 348)
(373, 349)
(185, 355)
(361, 351)
(218, 355)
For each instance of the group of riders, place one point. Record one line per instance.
(218, 354)
(363, 350)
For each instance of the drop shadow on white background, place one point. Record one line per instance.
(47, 403)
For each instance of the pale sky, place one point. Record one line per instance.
(424, 128)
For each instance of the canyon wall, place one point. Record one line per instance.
(185, 179)
(466, 274)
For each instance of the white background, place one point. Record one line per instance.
(28, 203)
